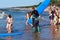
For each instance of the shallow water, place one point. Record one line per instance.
(19, 24)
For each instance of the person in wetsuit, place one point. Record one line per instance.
(35, 19)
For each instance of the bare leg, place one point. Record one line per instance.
(27, 27)
(51, 22)
(9, 28)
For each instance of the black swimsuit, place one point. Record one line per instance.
(52, 16)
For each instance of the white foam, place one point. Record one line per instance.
(2, 15)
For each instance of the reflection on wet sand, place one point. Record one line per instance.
(58, 27)
(36, 36)
(54, 31)
(8, 38)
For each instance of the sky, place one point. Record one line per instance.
(18, 3)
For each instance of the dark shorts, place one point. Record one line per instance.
(35, 22)
(51, 17)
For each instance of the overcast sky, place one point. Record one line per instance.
(17, 3)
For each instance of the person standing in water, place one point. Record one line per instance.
(55, 15)
(9, 24)
(28, 16)
(35, 20)
(50, 14)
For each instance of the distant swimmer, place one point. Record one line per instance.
(3, 15)
(9, 24)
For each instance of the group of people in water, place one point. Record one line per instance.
(54, 16)
(35, 19)
(32, 14)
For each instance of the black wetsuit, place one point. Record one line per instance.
(35, 19)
